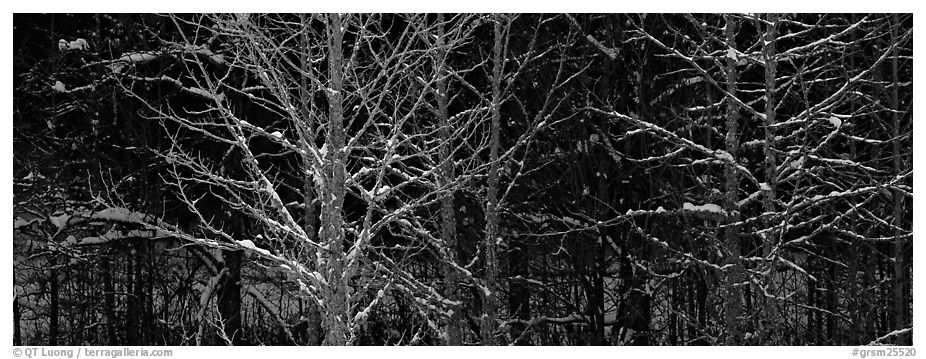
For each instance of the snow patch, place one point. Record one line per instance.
(20, 222)
(380, 193)
(60, 221)
(79, 44)
(731, 53)
(247, 243)
(835, 121)
(709, 207)
(119, 214)
(59, 86)
(114, 235)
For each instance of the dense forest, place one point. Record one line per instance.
(462, 179)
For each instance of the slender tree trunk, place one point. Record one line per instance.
(229, 299)
(148, 317)
(109, 302)
(811, 317)
(769, 313)
(733, 296)
(53, 274)
(131, 309)
(673, 310)
(53, 310)
(310, 199)
(595, 291)
(138, 293)
(17, 331)
(448, 220)
(869, 281)
(596, 296)
(336, 304)
(853, 301)
(307, 134)
(492, 235)
(832, 304)
(900, 299)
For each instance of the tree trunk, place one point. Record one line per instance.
(855, 257)
(229, 299)
(811, 318)
(53, 328)
(733, 296)
(138, 296)
(448, 220)
(332, 196)
(769, 312)
(832, 304)
(131, 308)
(636, 309)
(109, 302)
(307, 135)
(492, 235)
(900, 299)
(17, 331)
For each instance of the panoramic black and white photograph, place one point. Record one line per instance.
(462, 179)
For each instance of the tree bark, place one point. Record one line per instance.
(448, 220)
(17, 331)
(769, 313)
(733, 296)
(131, 308)
(492, 235)
(53, 309)
(109, 300)
(336, 304)
(900, 299)
(229, 299)
(307, 133)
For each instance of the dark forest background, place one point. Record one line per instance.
(494, 179)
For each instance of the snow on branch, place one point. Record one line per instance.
(890, 335)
